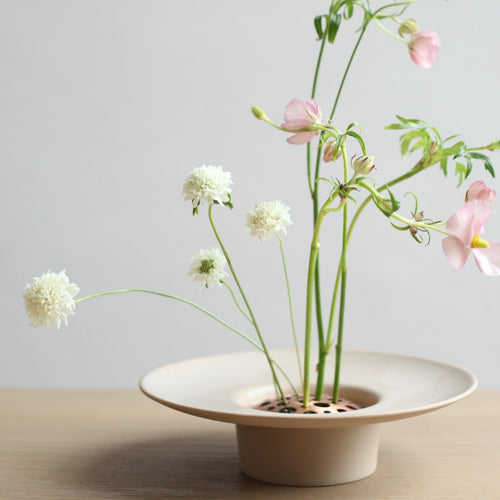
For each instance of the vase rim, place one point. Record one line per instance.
(220, 387)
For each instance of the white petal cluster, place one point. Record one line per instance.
(208, 267)
(48, 300)
(268, 218)
(207, 184)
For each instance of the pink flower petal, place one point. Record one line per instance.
(455, 251)
(300, 114)
(460, 224)
(488, 259)
(480, 191)
(424, 48)
(481, 210)
(301, 137)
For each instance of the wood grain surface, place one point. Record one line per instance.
(66, 445)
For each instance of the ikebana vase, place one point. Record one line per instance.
(308, 449)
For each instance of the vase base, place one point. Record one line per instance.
(308, 457)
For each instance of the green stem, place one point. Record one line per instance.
(312, 181)
(324, 347)
(247, 304)
(341, 275)
(385, 186)
(196, 306)
(238, 305)
(313, 257)
(390, 33)
(290, 307)
(348, 67)
(340, 335)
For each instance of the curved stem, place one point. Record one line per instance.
(385, 186)
(238, 305)
(389, 32)
(196, 306)
(247, 304)
(290, 307)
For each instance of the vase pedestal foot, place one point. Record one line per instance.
(308, 457)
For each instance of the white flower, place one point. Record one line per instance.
(49, 299)
(207, 184)
(207, 267)
(267, 218)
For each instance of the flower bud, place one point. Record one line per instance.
(362, 165)
(408, 27)
(259, 113)
(329, 150)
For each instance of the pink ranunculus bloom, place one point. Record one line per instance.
(424, 48)
(301, 114)
(466, 226)
(480, 191)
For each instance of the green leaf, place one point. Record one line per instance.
(486, 161)
(461, 171)
(469, 166)
(443, 165)
(406, 139)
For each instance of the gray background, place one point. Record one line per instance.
(106, 106)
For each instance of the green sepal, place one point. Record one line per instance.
(400, 228)
(333, 27)
(389, 206)
(360, 140)
(318, 25)
(418, 238)
(228, 202)
(494, 145)
(349, 10)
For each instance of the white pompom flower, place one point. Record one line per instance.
(48, 300)
(267, 219)
(207, 185)
(208, 267)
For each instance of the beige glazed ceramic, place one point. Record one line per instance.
(305, 449)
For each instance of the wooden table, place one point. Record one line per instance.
(72, 445)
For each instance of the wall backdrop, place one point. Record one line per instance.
(106, 106)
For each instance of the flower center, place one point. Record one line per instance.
(206, 266)
(478, 242)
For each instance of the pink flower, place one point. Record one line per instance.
(424, 48)
(301, 114)
(466, 226)
(480, 191)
